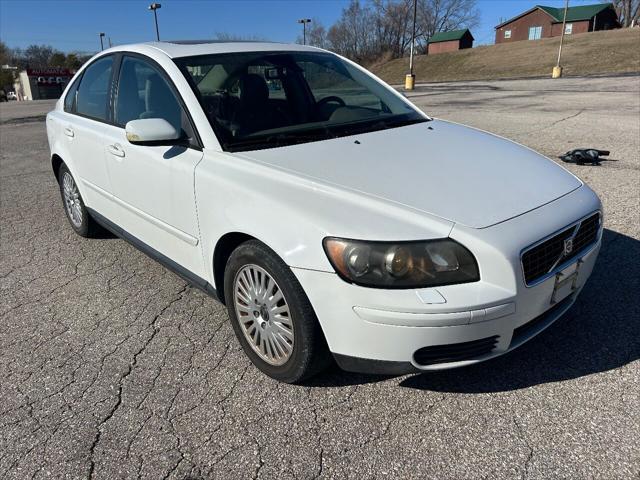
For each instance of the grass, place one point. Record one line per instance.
(612, 51)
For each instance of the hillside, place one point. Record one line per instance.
(613, 51)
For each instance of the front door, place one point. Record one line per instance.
(153, 186)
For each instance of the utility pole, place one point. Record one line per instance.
(557, 70)
(154, 7)
(410, 80)
(304, 22)
(101, 43)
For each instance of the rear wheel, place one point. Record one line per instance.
(271, 315)
(74, 207)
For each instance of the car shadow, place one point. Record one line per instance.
(601, 332)
(103, 234)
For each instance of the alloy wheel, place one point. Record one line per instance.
(263, 314)
(72, 199)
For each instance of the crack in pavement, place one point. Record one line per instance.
(123, 378)
(524, 440)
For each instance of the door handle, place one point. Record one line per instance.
(68, 131)
(116, 150)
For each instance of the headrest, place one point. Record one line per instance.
(253, 89)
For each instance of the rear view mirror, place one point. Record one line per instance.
(151, 131)
(271, 74)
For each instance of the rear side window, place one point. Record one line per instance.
(70, 99)
(92, 99)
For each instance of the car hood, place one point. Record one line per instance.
(444, 169)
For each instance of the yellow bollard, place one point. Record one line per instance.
(557, 72)
(409, 82)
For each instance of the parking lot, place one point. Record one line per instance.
(112, 367)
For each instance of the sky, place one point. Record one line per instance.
(73, 25)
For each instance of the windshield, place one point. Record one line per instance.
(257, 100)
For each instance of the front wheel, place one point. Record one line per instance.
(271, 315)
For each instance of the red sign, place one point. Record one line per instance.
(50, 75)
(49, 72)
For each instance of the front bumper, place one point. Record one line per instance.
(400, 331)
(518, 336)
(372, 340)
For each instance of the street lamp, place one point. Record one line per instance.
(154, 7)
(410, 80)
(101, 44)
(304, 22)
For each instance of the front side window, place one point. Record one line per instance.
(93, 93)
(143, 92)
(507, 34)
(260, 100)
(568, 29)
(535, 33)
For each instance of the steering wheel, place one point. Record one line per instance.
(329, 99)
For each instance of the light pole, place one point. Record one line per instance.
(101, 43)
(410, 79)
(304, 22)
(557, 70)
(154, 7)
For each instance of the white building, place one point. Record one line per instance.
(42, 83)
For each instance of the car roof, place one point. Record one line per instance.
(187, 48)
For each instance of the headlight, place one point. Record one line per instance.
(401, 264)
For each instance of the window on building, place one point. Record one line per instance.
(535, 33)
(93, 94)
(507, 34)
(568, 29)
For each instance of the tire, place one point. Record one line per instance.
(74, 207)
(282, 337)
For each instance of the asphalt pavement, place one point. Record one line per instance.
(112, 367)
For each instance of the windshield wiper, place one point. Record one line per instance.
(381, 124)
(278, 140)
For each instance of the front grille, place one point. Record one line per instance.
(587, 233)
(455, 352)
(541, 259)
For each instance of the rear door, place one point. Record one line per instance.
(153, 186)
(86, 113)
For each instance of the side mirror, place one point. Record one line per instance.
(151, 131)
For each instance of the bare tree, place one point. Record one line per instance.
(352, 35)
(393, 23)
(6, 76)
(445, 15)
(628, 11)
(38, 55)
(16, 58)
(383, 28)
(233, 37)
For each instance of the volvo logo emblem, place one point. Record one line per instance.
(568, 247)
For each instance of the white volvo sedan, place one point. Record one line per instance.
(331, 216)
